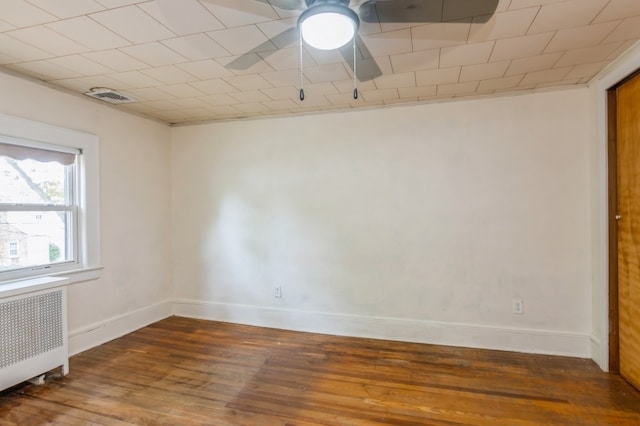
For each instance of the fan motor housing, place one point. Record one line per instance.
(336, 2)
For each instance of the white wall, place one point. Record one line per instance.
(419, 223)
(134, 287)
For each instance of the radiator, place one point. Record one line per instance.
(33, 335)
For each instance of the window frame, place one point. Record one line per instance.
(87, 264)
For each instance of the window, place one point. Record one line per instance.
(13, 249)
(49, 194)
(38, 205)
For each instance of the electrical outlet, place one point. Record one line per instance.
(278, 292)
(517, 306)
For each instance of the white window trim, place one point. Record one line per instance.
(89, 265)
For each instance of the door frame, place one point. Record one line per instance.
(612, 225)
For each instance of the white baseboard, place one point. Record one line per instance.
(96, 334)
(432, 332)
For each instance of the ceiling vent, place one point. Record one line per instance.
(109, 95)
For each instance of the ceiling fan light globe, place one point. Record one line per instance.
(328, 30)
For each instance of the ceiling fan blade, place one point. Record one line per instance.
(249, 59)
(426, 11)
(366, 66)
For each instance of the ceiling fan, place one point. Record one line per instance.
(333, 24)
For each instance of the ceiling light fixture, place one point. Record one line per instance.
(328, 24)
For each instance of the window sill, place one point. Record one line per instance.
(30, 285)
(42, 282)
(81, 275)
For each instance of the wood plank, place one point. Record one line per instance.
(628, 195)
(192, 372)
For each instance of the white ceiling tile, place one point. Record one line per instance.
(545, 76)
(205, 70)
(6, 59)
(438, 76)
(324, 73)
(250, 96)
(134, 80)
(416, 61)
(487, 71)
(468, 54)
(283, 33)
(320, 88)
(188, 102)
(149, 94)
(346, 86)
(432, 36)
(89, 33)
(233, 13)
(161, 105)
(115, 60)
(169, 75)
(133, 24)
(341, 99)
(5, 26)
(249, 63)
(64, 9)
(48, 40)
(286, 59)
(242, 40)
(182, 91)
(458, 88)
(248, 82)
(183, 17)
(154, 54)
(391, 43)
(213, 86)
(587, 55)
(277, 93)
(502, 25)
(280, 105)
(417, 92)
(533, 63)
(619, 9)
(396, 81)
(520, 47)
(83, 84)
(586, 70)
(196, 47)
(219, 100)
(44, 70)
(282, 78)
(379, 95)
(224, 111)
(110, 4)
(81, 65)
(500, 83)
(21, 50)
(627, 30)
(577, 37)
(519, 4)
(252, 108)
(22, 14)
(322, 57)
(567, 14)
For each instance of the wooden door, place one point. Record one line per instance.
(628, 218)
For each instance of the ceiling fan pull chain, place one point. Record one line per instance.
(301, 71)
(355, 71)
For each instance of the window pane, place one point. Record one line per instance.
(33, 182)
(34, 238)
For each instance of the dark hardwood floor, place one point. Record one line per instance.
(190, 372)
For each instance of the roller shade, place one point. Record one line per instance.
(20, 152)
